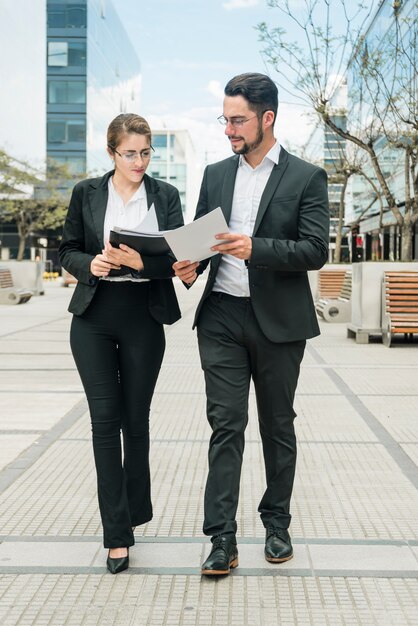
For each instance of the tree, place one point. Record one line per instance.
(32, 203)
(383, 116)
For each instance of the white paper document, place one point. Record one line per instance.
(149, 224)
(193, 242)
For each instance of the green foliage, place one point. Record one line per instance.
(31, 202)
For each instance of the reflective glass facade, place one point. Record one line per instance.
(93, 74)
(394, 25)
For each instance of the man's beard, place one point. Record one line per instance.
(249, 147)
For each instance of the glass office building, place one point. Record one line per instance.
(67, 68)
(92, 75)
(395, 23)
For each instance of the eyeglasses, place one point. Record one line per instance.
(132, 156)
(236, 122)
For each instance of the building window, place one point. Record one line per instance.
(66, 92)
(66, 54)
(64, 131)
(76, 130)
(73, 164)
(56, 132)
(58, 54)
(160, 141)
(67, 15)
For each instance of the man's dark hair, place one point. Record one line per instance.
(258, 89)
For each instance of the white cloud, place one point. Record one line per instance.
(240, 4)
(294, 125)
(214, 87)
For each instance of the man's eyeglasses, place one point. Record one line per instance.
(236, 122)
(132, 156)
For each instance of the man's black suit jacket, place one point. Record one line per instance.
(290, 237)
(83, 238)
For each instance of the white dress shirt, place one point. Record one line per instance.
(232, 276)
(128, 216)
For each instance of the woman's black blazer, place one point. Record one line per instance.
(82, 239)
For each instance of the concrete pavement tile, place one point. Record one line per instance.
(40, 411)
(329, 418)
(412, 451)
(316, 382)
(351, 490)
(14, 345)
(383, 382)
(12, 445)
(40, 381)
(362, 558)
(180, 379)
(46, 362)
(397, 414)
(47, 554)
(44, 333)
(81, 429)
(160, 555)
(364, 356)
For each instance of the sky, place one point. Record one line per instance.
(188, 50)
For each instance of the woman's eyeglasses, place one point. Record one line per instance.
(132, 156)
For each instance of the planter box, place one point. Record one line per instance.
(27, 275)
(366, 297)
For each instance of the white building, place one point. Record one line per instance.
(175, 161)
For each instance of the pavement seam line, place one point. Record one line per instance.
(392, 447)
(16, 468)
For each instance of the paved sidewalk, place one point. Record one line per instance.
(355, 503)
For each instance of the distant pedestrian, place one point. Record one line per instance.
(117, 335)
(256, 311)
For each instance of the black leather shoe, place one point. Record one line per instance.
(222, 557)
(278, 545)
(115, 566)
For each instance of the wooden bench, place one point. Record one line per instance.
(330, 283)
(336, 307)
(399, 305)
(8, 292)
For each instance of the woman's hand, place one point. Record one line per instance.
(101, 266)
(186, 271)
(124, 255)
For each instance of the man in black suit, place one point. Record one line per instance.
(256, 311)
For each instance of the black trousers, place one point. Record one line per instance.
(233, 349)
(118, 349)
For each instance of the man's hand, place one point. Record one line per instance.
(124, 255)
(239, 246)
(186, 271)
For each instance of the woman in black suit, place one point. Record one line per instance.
(121, 301)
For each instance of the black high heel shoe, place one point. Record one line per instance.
(115, 566)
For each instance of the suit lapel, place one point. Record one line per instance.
(98, 196)
(153, 198)
(227, 193)
(271, 186)
(151, 187)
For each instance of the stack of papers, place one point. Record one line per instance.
(191, 242)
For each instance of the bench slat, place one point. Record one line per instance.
(401, 302)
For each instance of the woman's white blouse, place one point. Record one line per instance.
(128, 216)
